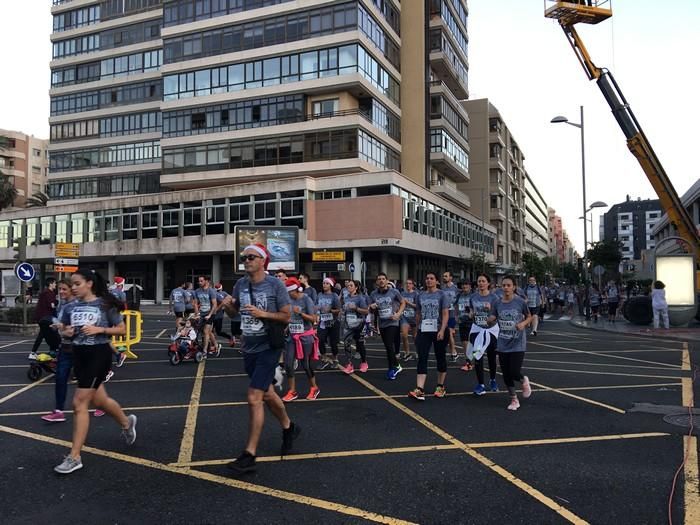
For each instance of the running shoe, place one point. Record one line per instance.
(527, 390)
(357, 355)
(393, 373)
(314, 391)
(288, 437)
(349, 369)
(129, 433)
(417, 393)
(335, 365)
(325, 365)
(245, 462)
(109, 376)
(514, 404)
(402, 356)
(32, 357)
(493, 386)
(290, 396)
(479, 390)
(468, 367)
(534, 333)
(98, 413)
(440, 391)
(232, 342)
(364, 367)
(68, 465)
(279, 377)
(54, 417)
(410, 357)
(454, 357)
(121, 357)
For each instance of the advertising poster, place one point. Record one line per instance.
(282, 242)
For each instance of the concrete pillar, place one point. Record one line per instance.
(404, 268)
(215, 269)
(357, 261)
(160, 284)
(384, 262)
(111, 270)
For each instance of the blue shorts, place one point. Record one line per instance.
(260, 368)
(451, 323)
(410, 321)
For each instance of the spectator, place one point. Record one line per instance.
(659, 304)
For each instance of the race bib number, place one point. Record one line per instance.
(480, 320)
(252, 326)
(326, 317)
(386, 312)
(85, 318)
(429, 325)
(296, 328)
(352, 319)
(507, 329)
(462, 307)
(409, 312)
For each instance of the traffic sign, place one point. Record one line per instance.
(598, 270)
(65, 269)
(67, 249)
(62, 261)
(352, 267)
(24, 272)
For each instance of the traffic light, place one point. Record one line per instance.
(20, 249)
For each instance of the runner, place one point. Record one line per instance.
(43, 315)
(205, 306)
(451, 290)
(408, 319)
(594, 298)
(513, 317)
(90, 321)
(482, 302)
(118, 291)
(612, 292)
(535, 301)
(328, 308)
(281, 275)
(302, 345)
(388, 305)
(309, 290)
(178, 302)
(263, 302)
(432, 314)
(463, 304)
(189, 299)
(355, 309)
(64, 361)
(218, 323)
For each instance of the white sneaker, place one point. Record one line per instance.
(527, 390)
(109, 376)
(129, 434)
(32, 357)
(68, 465)
(279, 378)
(514, 404)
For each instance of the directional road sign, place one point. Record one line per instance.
(24, 271)
(62, 261)
(352, 267)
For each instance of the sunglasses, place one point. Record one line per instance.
(249, 257)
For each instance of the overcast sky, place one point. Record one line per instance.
(524, 65)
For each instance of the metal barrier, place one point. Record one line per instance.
(123, 343)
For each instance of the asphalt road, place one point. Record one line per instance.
(577, 451)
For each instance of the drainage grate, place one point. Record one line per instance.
(681, 420)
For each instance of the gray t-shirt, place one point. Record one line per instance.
(80, 313)
(220, 296)
(409, 313)
(325, 302)
(298, 324)
(463, 306)
(353, 318)
(509, 314)
(388, 303)
(311, 292)
(451, 292)
(269, 295)
(189, 294)
(430, 306)
(482, 305)
(178, 298)
(534, 296)
(205, 297)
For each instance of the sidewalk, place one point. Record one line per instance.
(621, 326)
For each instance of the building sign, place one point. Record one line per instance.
(282, 242)
(328, 257)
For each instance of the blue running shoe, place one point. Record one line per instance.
(479, 390)
(392, 373)
(493, 386)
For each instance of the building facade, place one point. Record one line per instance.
(560, 247)
(163, 112)
(536, 220)
(24, 160)
(632, 223)
(691, 200)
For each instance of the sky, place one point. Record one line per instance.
(523, 63)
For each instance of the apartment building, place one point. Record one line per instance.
(24, 159)
(632, 223)
(691, 201)
(536, 220)
(162, 112)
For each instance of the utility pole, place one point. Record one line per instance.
(22, 256)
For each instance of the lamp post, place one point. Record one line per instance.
(596, 204)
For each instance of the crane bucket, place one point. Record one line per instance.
(583, 11)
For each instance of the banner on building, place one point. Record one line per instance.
(282, 243)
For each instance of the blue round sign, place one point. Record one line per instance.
(352, 267)
(24, 272)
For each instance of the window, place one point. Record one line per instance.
(199, 120)
(326, 107)
(215, 210)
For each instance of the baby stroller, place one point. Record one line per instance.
(185, 347)
(44, 362)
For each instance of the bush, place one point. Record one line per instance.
(14, 315)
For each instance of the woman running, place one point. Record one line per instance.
(432, 314)
(328, 307)
(408, 320)
(355, 309)
(90, 321)
(513, 317)
(482, 336)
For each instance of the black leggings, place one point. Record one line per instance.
(511, 363)
(389, 334)
(332, 334)
(397, 341)
(46, 333)
(219, 328)
(490, 355)
(356, 334)
(424, 341)
(291, 355)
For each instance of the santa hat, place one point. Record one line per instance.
(293, 285)
(218, 286)
(330, 281)
(260, 250)
(119, 281)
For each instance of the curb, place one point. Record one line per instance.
(690, 334)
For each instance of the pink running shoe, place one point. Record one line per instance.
(98, 413)
(54, 417)
(349, 369)
(514, 404)
(364, 367)
(527, 390)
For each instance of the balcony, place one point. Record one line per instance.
(497, 214)
(444, 163)
(448, 190)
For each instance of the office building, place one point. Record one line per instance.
(24, 159)
(632, 223)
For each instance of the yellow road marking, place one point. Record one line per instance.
(24, 389)
(691, 492)
(528, 489)
(575, 350)
(584, 399)
(557, 441)
(230, 482)
(187, 443)
(685, 358)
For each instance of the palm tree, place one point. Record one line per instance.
(8, 192)
(37, 199)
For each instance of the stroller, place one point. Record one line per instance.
(44, 362)
(185, 343)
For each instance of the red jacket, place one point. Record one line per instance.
(46, 305)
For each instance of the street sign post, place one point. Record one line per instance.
(24, 272)
(352, 268)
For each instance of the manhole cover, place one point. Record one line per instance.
(680, 420)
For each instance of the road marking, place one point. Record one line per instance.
(691, 490)
(574, 396)
(187, 443)
(24, 389)
(15, 343)
(618, 365)
(605, 355)
(528, 489)
(590, 372)
(161, 333)
(230, 482)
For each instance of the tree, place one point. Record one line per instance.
(38, 199)
(606, 253)
(8, 192)
(534, 265)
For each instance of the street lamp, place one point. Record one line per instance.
(557, 120)
(596, 204)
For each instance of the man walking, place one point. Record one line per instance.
(263, 303)
(43, 315)
(535, 301)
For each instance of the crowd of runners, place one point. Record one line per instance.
(283, 326)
